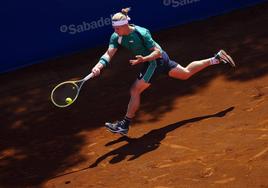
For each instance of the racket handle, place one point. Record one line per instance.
(88, 76)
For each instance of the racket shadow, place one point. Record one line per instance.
(136, 147)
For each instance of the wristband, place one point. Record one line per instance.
(105, 59)
(104, 62)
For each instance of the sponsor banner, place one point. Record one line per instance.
(35, 31)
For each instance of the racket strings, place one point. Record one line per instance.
(64, 91)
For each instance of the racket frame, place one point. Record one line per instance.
(77, 83)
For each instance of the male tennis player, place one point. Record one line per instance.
(154, 59)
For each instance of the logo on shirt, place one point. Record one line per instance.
(131, 41)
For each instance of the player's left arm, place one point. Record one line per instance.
(155, 54)
(150, 44)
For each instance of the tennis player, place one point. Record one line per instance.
(154, 59)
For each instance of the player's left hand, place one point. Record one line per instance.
(139, 59)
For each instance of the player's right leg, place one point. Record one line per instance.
(122, 126)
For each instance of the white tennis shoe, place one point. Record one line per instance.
(222, 56)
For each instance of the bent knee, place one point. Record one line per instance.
(138, 87)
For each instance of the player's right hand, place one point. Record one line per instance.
(96, 71)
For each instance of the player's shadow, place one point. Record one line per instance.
(136, 147)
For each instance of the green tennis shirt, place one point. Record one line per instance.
(134, 42)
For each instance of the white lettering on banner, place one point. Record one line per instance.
(178, 3)
(85, 26)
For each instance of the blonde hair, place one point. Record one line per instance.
(123, 15)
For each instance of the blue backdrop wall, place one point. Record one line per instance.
(33, 31)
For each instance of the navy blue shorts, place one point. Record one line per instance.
(151, 70)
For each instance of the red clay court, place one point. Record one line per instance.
(208, 131)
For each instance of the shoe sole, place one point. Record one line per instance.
(230, 60)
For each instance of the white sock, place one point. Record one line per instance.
(214, 61)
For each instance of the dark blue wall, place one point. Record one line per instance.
(32, 31)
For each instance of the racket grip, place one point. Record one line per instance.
(91, 75)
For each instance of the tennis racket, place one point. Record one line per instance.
(65, 93)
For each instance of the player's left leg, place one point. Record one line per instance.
(223, 57)
(184, 73)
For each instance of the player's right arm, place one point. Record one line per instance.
(107, 56)
(104, 61)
